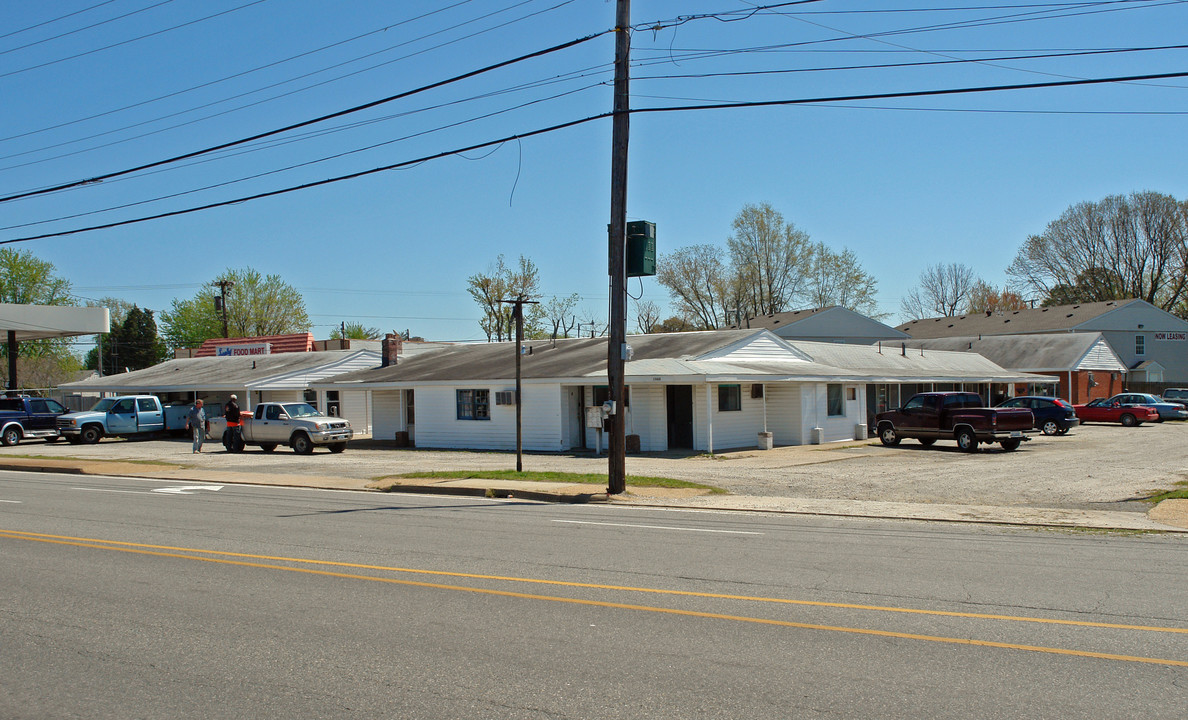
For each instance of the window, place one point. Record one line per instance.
(310, 396)
(1140, 345)
(146, 405)
(729, 398)
(127, 406)
(474, 404)
(333, 409)
(833, 394)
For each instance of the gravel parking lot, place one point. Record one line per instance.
(1093, 467)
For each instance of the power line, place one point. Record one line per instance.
(601, 116)
(131, 40)
(306, 123)
(51, 21)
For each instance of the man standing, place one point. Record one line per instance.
(196, 424)
(234, 426)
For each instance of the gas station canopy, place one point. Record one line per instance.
(38, 322)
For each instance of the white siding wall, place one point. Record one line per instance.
(737, 428)
(649, 417)
(438, 425)
(784, 420)
(815, 413)
(356, 407)
(387, 417)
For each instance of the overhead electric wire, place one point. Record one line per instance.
(302, 164)
(85, 27)
(225, 78)
(275, 85)
(312, 121)
(92, 51)
(602, 116)
(51, 21)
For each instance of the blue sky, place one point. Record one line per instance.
(91, 87)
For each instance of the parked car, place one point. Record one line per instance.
(1107, 411)
(1167, 410)
(1053, 416)
(298, 425)
(1176, 395)
(956, 415)
(29, 417)
(124, 416)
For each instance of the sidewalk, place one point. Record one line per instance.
(1168, 516)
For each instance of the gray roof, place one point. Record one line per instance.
(572, 358)
(1032, 320)
(1051, 351)
(283, 370)
(777, 320)
(673, 356)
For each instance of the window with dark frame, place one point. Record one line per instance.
(474, 404)
(837, 406)
(729, 398)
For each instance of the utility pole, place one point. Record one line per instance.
(616, 345)
(221, 302)
(518, 313)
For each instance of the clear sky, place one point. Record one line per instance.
(90, 87)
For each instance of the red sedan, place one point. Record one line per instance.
(1104, 411)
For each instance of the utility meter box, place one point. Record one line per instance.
(641, 248)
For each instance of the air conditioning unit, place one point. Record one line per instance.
(505, 397)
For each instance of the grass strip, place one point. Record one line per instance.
(1179, 494)
(565, 477)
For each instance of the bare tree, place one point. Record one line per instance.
(771, 257)
(559, 313)
(699, 280)
(647, 315)
(838, 279)
(944, 291)
(985, 298)
(1124, 246)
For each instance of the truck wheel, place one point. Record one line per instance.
(11, 436)
(1129, 420)
(268, 447)
(1010, 445)
(337, 447)
(91, 434)
(888, 436)
(1050, 427)
(301, 444)
(967, 441)
(927, 442)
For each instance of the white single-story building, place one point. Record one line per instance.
(694, 391)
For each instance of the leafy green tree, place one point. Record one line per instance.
(132, 344)
(356, 331)
(500, 283)
(28, 280)
(256, 305)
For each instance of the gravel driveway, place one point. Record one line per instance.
(1091, 466)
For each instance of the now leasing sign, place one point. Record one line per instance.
(1165, 336)
(243, 350)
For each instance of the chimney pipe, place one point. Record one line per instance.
(390, 349)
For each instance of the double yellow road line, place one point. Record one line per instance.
(316, 567)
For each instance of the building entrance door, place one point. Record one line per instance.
(680, 416)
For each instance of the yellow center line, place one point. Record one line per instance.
(177, 552)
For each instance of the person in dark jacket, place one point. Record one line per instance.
(234, 424)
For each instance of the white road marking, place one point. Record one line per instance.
(15, 502)
(660, 527)
(129, 492)
(185, 490)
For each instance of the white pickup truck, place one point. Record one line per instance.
(296, 424)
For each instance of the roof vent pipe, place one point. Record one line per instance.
(903, 349)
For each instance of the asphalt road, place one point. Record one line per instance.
(128, 598)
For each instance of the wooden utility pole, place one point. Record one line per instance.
(617, 333)
(221, 303)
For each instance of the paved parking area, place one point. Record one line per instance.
(1094, 467)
